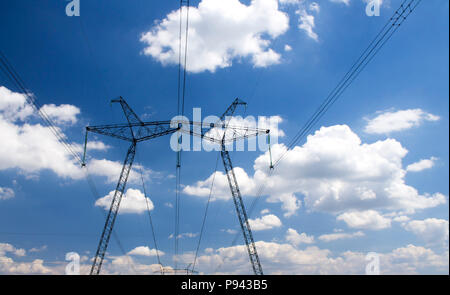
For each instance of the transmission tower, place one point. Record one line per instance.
(135, 131)
(237, 134)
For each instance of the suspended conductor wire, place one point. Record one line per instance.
(180, 111)
(16, 80)
(149, 214)
(206, 214)
(400, 15)
(392, 25)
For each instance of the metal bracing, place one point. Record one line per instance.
(232, 180)
(241, 212)
(114, 208)
(136, 131)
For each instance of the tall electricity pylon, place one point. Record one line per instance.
(238, 133)
(136, 131)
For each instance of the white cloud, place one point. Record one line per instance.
(97, 146)
(431, 230)
(6, 193)
(286, 259)
(421, 165)
(334, 171)
(221, 188)
(307, 23)
(401, 218)
(184, 235)
(264, 223)
(8, 248)
(62, 114)
(276, 258)
(346, 2)
(388, 122)
(264, 211)
(121, 265)
(28, 147)
(287, 48)
(411, 259)
(293, 237)
(340, 236)
(284, 2)
(13, 105)
(9, 266)
(40, 249)
(369, 219)
(220, 32)
(31, 148)
(145, 251)
(133, 201)
(230, 231)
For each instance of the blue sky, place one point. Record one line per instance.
(351, 179)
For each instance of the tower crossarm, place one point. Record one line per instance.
(137, 132)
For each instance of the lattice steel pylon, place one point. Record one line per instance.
(238, 133)
(135, 131)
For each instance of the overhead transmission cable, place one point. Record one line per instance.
(149, 214)
(399, 16)
(384, 35)
(17, 81)
(206, 214)
(180, 112)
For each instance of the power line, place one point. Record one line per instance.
(399, 16)
(206, 213)
(149, 215)
(180, 111)
(384, 35)
(17, 81)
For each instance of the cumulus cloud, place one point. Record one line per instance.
(421, 165)
(62, 114)
(340, 236)
(184, 235)
(335, 172)
(294, 238)
(265, 222)
(145, 251)
(346, 2)
(307, 23)
(220, 32)
(431, 230)
(388, 122)
(286, 259)
(412, 259)
(9, 266)
(284, 2)
(8, 248)
(6, 193)
(369, 219)
(31, 147)
(13, 105)
(230, 231)
(276, 258)
(133, 201)
(39, 249)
